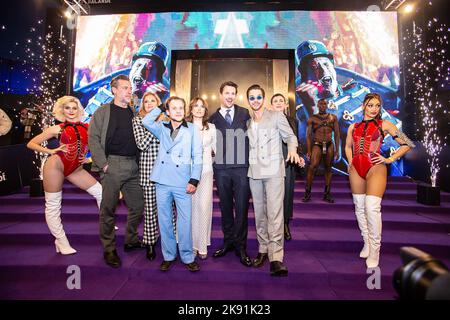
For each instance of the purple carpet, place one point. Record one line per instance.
(322, 257)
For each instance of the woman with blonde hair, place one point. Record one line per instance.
(148, 144)
(202, 198)
(65, 162)
(368, 172)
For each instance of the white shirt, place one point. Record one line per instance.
(254, 125)
(223, 112)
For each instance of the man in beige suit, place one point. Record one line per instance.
(266, 131)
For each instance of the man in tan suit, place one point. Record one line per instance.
(266, 131)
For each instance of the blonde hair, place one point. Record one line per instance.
(58, 109)
(142, 111)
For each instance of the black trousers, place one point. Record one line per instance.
(234, 194)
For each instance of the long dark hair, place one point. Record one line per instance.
(190, 117)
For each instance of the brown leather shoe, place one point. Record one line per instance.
(165, 265)
(260, 259)
(193, 266)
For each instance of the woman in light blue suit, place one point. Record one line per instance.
(176, 173)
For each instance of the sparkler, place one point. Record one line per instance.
(430, 68)
(45, 65)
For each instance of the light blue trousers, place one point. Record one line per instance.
(165, 195)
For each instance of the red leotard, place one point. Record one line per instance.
(367, 139)
(74, 136)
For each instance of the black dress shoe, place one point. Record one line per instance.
(151, 252)
(259, 260)
(287, 232)
(244, 258)
(165, 265)
(223, 251)
(193, 266)
(133, 246)
(112, 259)
(278, 269)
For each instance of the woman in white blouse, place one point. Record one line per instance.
(202, 198)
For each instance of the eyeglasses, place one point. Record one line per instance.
(252, 98)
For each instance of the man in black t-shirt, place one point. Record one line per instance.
(114, 155)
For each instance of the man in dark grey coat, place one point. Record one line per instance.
(114, 154)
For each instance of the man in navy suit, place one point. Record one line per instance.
(230, 172)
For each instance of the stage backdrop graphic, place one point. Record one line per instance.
(341, 56)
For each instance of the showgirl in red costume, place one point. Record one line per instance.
(368, 172)
(65, 162)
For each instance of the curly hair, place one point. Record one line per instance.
(58, 109)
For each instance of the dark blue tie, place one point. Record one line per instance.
(228, 117)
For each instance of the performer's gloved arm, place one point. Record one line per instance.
(405, 143)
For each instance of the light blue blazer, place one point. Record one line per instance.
(178, 160)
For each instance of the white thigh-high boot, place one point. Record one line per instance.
(373, 211)
(359, 201)
(53, 218)
(96, 192)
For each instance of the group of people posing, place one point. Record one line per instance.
(163, 160)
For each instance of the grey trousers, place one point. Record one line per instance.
(122, 175)
(268, 195)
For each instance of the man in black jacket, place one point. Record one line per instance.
(230, 171)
